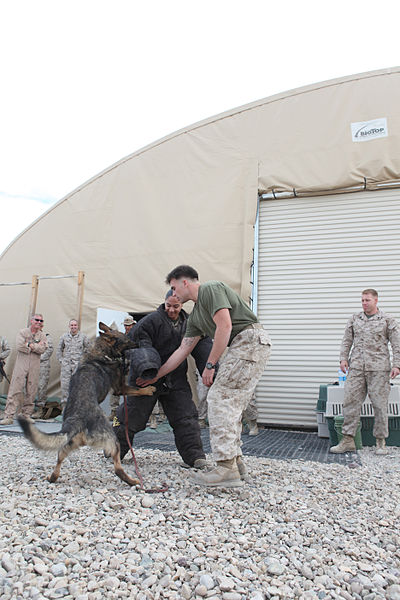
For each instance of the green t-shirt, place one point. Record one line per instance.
(214, 295)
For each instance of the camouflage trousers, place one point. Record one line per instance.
(234, 385)
(65, 376)
(114, 401)
(358, 384)
(158, 410)
(249, 414)
(202, 392)
(43, 383)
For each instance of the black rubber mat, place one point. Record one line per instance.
(269, 443)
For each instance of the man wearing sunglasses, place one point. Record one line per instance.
(30, 344)
(69, 352)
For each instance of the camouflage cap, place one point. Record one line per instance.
(129, 321)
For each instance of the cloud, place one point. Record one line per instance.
(17, 212)
(72, 110)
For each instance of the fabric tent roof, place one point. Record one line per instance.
(192, 198)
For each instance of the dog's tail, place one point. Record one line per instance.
(43, 441)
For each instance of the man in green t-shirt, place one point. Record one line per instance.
(220, 313)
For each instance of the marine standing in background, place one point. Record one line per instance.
(30, 344)
(70, 349)
(44, 376)
(364, 354)
(4, 353)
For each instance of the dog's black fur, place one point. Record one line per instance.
(84, 423)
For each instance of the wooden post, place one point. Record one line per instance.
(81, 280)
(34, 295)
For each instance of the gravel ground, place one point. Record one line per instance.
(296, 530)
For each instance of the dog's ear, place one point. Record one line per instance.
(108, 339)
(104, 327)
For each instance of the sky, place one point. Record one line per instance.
(86, 83)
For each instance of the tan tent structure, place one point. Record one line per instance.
(268, 182)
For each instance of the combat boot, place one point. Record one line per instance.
(243, 472)
(253, 428)
(346, 444)
(7, 421)
(39, 413)
(226, 474)
(199, 463)
(381, 446)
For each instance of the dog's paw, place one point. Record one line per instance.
(148, 390)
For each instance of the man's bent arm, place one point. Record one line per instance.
(178, 356)
(394, 339)
(173, 362)
(222, 319)
(21, 343)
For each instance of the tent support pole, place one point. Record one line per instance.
(34, 295)
(81, 281)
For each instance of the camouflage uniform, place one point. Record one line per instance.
(69, 351)
(4, 351)
(250, 413)
(234, 385)
(26, 373)
(369, 368)
(114, 403)
(116, 400)
(158, 412)
(202, 392)
(44, 372)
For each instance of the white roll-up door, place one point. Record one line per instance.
(315, 256)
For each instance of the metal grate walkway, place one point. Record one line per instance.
(269, 443)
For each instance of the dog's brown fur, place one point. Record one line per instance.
(85, 424)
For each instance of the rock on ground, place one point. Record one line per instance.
(296, 530)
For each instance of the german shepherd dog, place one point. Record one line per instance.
(84, 423)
